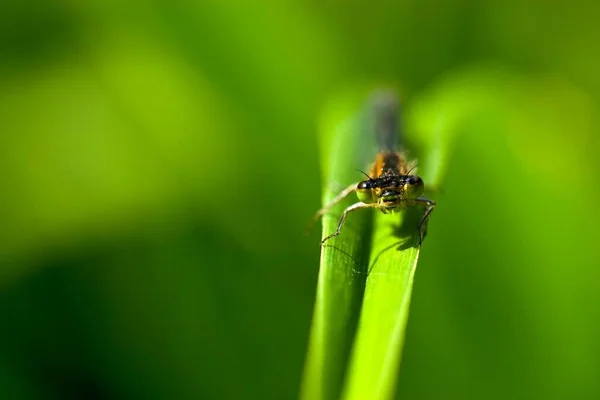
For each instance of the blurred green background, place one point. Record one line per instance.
(159, 162)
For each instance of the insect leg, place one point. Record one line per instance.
(327, 207)
(355, 206)
(429, 206)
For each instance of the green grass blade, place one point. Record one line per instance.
(377, 351)
(366, 275)
(344, 260)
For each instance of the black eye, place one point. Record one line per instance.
(364, 185)
(414, 180)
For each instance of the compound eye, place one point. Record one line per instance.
(413, 187)
(414, 180)
(364, 192)
(364, 185)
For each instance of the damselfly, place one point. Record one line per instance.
(393, 183)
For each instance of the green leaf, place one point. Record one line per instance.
(358, 360)
(377, 351)
(344, 259)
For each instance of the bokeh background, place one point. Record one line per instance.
(159, 162)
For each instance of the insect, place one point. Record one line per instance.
(392, 183)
